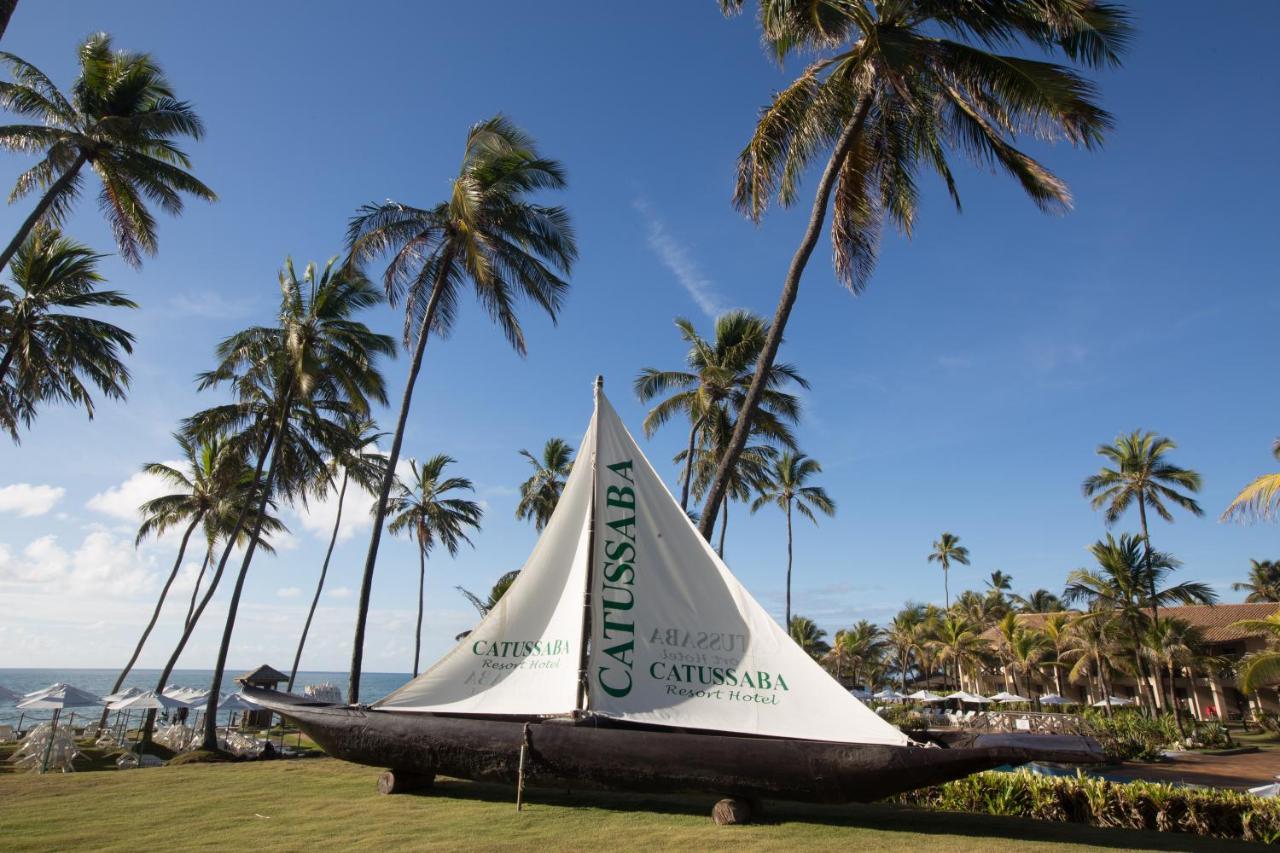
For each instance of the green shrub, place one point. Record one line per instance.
(1097, 802)
(1212, 735)
(1130, 735)
(907, 719)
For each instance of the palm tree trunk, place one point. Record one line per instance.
(724, 525)
(790, 290)
(384, 491)
(1173, 702)
(155, 614)
(211, 709)
(1155, 608)
(58, 188)
(788, 565)
(1106, 688)
(6, 12)
(195, 592)
(324, 570)
(688, 464)
(213, 584)
(422, 582)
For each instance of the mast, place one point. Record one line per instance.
(583, 654)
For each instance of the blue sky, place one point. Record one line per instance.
(965, 391)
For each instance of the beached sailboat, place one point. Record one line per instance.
(627, 655)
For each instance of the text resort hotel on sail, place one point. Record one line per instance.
(674, 639)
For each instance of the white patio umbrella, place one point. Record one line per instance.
(966, 696)
(890, 695)
(1004, 696)
(55, 698)
(860, 693)
(236, 702)
(123, 694)
(146, 701)
(925, 696)
(1055, 699)
(1114, 701)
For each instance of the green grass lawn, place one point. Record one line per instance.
(327, 804)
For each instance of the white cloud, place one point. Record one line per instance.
(340, 593)
(102, 565)
(122, 501)
(321, 514)
(209, 305)
(675, 256)
(289, 592)
(27, 500)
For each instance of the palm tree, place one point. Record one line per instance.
(1261, 668)
(421, 509)
(856, 649)
(499, 589)
(1039, 601)
(541, 492)
(753, 465)
(1091, 647)
(487, 232)
(784, 484)
(999, 582)
(298, 383)
(1173, 644)
(947, 550)
(223, 521)
(1143, 476)
(1260, 500)
(1263, 583)
(1027, 648)
(808, 636)
(905, 85)
(50, 350)
(906, 640)
(958, 641)
(360, 461)
(211, 473)
(1057, 628)
(1128, 582)
(718, 377)
(121, 120)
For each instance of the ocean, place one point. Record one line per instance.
(373, 685)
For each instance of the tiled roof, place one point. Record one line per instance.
(1213, 621)
(263, 673)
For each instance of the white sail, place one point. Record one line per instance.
(525, 655)
(676, 640)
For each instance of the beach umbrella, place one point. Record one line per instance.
(1004, 696)
(54, 699)
(890, 695)
(146, 701)
(1055, 699)
(236, 702)
(925, 696)
(965, 696)
(1114, 701)
(123, 694)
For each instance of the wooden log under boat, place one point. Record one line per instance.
(421, 745)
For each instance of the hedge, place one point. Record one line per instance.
(1215, 813)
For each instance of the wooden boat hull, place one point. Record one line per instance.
(422, 745)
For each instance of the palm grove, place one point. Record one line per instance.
(897, 88)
